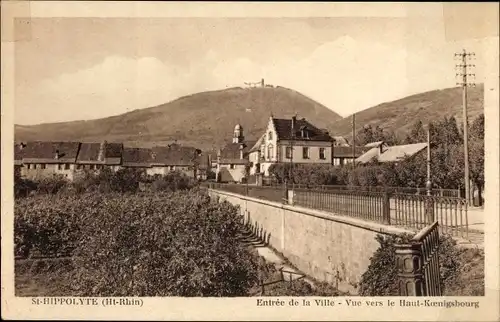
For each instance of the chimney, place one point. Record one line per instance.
(294, 122)
(56, 155)
(22, 145)
(241, 151)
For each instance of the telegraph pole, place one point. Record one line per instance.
(463, 76)
(429, 182)
(353, 140)
(292, 137)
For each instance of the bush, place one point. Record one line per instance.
(24, 187)
(48, 225)
(380, 279)
(173, 181)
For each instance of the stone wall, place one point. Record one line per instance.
(326, 246)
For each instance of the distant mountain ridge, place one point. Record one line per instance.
(206, 120)
(399, 115)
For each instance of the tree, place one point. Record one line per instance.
(371, 133)
(417, 134)
(476, 155)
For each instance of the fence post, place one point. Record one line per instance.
(285, 197)
(409, 267)
(386, 208)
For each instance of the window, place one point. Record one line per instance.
(288, 152)
(305, 153)
(28, 166)
(270, 135)
(231, 166)
(66, 166)
(59, 167)
(269, 151)
(322, 153)
(172, 168)
(42, 166)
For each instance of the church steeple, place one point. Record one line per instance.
(238, 134)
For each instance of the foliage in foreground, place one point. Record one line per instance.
(380, 279)
(126, 180)
(175, 244)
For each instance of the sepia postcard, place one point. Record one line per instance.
(231, 161)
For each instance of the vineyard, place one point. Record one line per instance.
(136, 244)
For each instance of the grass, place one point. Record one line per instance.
(469, 281)
(43, 277)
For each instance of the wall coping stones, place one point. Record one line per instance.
(368, 225)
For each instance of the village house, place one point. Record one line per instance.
(290, 140)
(178, 158)
(232, 160)
(95, 156)
(35, 160)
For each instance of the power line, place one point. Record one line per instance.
(463, 75)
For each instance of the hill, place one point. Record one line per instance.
(204, 119)
(399, 115)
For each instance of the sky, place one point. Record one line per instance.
(88, 68)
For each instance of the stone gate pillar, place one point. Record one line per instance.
(409, 266)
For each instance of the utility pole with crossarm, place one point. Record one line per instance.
(463, 79)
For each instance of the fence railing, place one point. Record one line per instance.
(392, 189)
(418, 264)
(417, 211)
(410, 211)
(366, 205)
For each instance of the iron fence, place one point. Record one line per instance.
(359, 204)
(417, 211)
(418, 264)
(457, 193)
(411, 211)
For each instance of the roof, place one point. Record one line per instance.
(137, 157)
(39, 151)
(89, 152)
(175, 155)
(368, 156)
(391, 154)
(114, 150)
(374, 144)
(257, 144)
(232, 150)
(399, 152)
(346, 151)
(18, 152)
(284, 130)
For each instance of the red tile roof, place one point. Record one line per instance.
(50, 152)
(284, 130)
